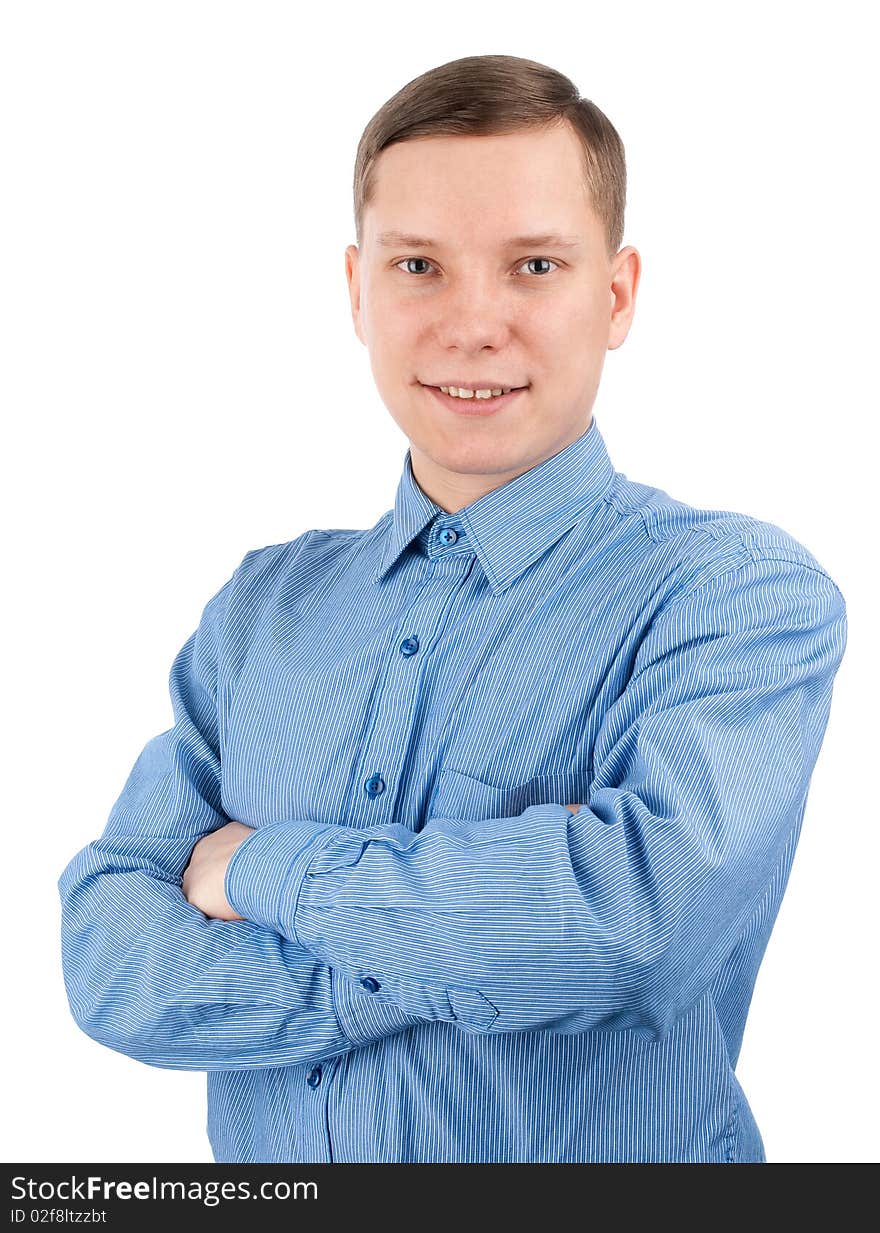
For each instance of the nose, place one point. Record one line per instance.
(474, 315)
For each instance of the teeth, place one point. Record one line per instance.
(458, 393)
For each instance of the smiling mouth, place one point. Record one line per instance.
(474, 406)
(482, 393)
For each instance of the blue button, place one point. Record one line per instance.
(313, 1078)
(448, 535)
(409, 646)
(375, 785)
(370, 984)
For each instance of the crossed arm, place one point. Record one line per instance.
(617, 917)
(205, 876)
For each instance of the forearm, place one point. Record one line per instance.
(150, 976)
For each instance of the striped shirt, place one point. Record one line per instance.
(439, 961)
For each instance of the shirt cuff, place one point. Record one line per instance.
(364, 1017)
(266, 871)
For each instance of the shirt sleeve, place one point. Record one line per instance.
(146, 972)
(617, 916)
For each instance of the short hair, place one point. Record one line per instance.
(490, 95)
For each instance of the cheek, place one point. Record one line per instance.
(393, 316)
(395, 348)
(574, 319)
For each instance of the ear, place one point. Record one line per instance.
(626, 272)
(353, 275)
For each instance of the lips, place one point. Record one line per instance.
(488, 385)
(475, 407)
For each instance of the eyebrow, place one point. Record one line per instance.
(388, 239)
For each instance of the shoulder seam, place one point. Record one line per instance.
(626, 509)
(754, 558)
(792, 558)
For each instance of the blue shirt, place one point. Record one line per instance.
(440, 961)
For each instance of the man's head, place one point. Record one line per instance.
(471, 156)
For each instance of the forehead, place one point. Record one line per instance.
(503, 188)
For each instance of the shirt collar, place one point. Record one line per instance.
(510, 527)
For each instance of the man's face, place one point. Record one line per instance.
(477, 309)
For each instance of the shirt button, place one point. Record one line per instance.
(409, 646)
(375, 785)
(370, 984)
(448, 535)
(313, 1078)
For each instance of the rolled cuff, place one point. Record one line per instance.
(265, 873)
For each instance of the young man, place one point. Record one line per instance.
(469, 835)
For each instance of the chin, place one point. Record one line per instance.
(472, 457)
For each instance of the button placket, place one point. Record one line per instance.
(402, 680)
(316, 1140)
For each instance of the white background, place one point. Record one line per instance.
(181, 382)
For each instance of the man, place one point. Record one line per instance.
(472, 827)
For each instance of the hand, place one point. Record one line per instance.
(205, 874)
(573, 808)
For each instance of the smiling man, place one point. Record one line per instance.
(486, 266)
(472, 827)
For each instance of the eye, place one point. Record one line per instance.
(424, 260)
(526, 262)
(400, 263)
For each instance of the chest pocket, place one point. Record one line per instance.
(457, 795)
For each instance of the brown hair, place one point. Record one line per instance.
(489, 95)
